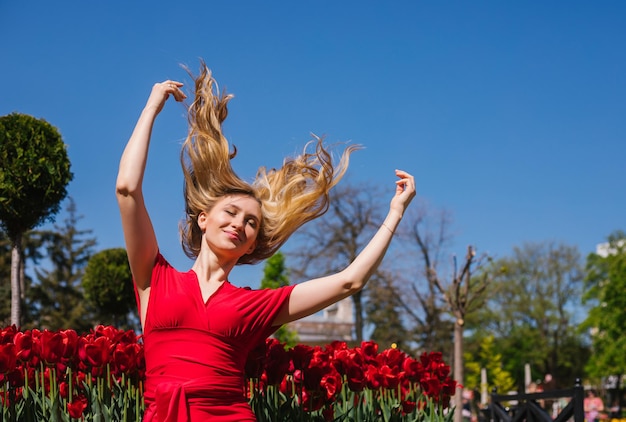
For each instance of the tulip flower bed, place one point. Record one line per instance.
(62, 376)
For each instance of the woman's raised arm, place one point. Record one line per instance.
(141, 243)
(314, 295)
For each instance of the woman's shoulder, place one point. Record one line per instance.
(164, 269)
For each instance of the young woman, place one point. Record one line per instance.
(198, 328)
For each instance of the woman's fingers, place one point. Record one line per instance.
(161, 92)
(405, 191)
(406, 182)
(174, 88)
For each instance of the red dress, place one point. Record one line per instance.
(196, 352)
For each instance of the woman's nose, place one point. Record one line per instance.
(237, 223)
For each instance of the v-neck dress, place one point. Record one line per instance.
(196, 351)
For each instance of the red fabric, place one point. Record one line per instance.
(196, 352)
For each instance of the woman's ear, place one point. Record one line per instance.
(202, 217)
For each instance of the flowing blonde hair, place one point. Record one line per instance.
(291, 196)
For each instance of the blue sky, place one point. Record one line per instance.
(510, 115)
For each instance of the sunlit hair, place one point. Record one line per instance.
(296, 193)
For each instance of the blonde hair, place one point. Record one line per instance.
(291, 196)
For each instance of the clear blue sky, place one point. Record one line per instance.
(511, 115)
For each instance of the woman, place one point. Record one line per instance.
(198, 328)
(593, 406)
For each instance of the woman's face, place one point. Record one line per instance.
(231, 227)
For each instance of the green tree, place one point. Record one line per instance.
(605, 288)
(33, 178)
(58, 295)
(275, 276)
(531, 311)
(490, 359)
(108, 285)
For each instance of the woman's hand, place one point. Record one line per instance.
(405, 192)
(161, 92)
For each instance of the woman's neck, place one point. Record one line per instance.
(210, 268)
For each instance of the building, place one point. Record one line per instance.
(336, 322)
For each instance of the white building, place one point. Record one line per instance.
(335, 322)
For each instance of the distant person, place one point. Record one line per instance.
(198, 328)
(550, 405)
(593, 406)
(548, 383)
(537, 387)
(468, 409)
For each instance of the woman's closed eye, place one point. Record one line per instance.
(251, 221)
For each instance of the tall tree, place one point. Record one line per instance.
(108, 286)
(455, 291)
(32, 242)
(33, 178)
(531, 311)
(605, 288)
(275, 276)
(384, 312)
(333, 241)
(5, 279)
(423, 308)
(58, 293)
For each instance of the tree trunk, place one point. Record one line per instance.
(358, 316)
(458, 369)
(22, 275)
(16, 296)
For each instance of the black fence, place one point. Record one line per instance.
(527, 407)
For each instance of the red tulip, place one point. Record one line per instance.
(431, 387)
(331, 383)
(24, 345)
(64, 389)
(276, 362)
(125, 358)
(328, 413)
(356, 378)
(374, 379)
(408, 407)
(7, 334)
(70, 343)
(94, 352)
(255, 362)
(301, 355)
(370, 350)
(7, 358)
(390, 377)
(312, 400)
(394, 358)
(413, 369)
(336, 345)
(52, 347)
(318, 367)
(77, 406)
